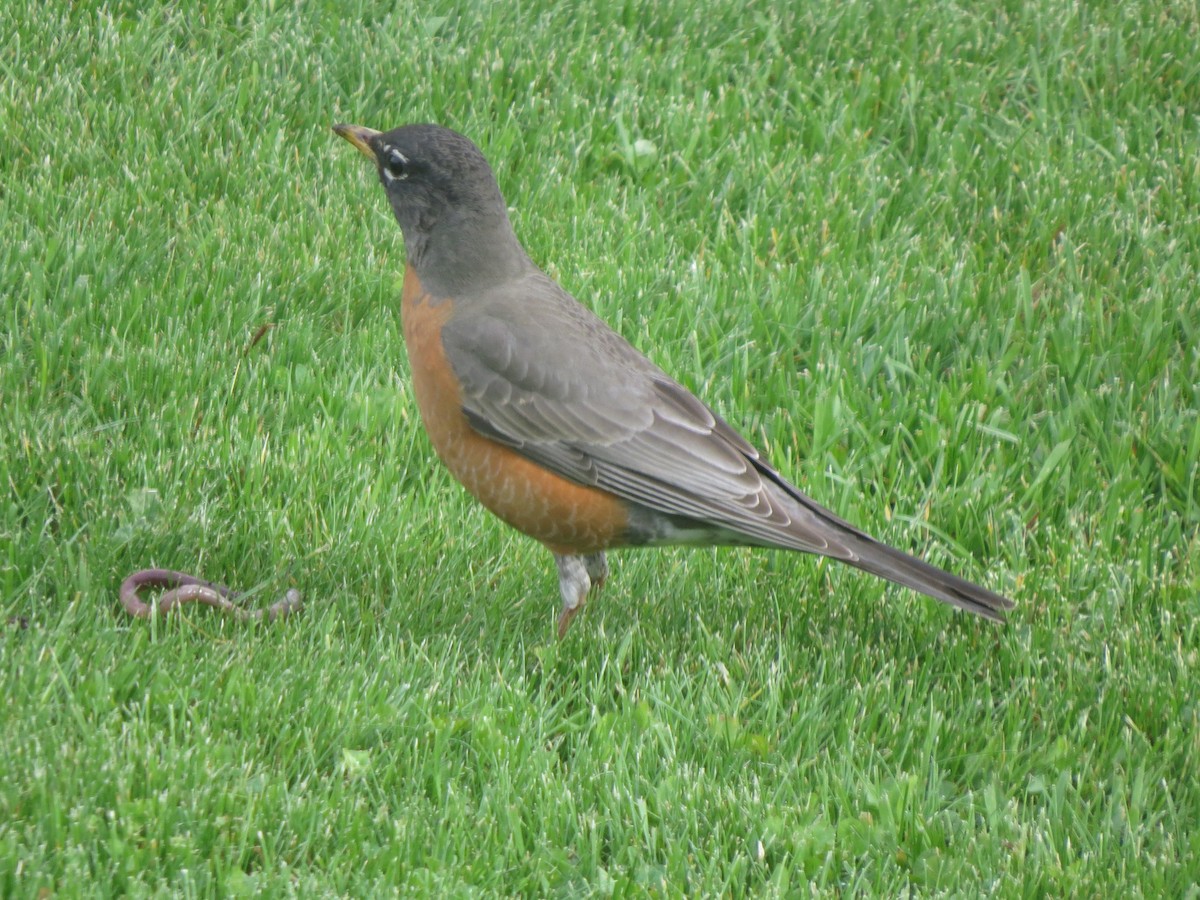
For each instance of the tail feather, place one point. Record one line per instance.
(814, 529)
(894, 565)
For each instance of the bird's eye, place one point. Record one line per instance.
(395, 164)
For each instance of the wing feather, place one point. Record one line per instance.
(541, 374)
(553, 382)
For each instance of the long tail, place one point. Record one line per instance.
(890, 563)
(811, 528)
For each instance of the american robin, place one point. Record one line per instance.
(555, 423)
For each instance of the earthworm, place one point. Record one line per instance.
(183, 588)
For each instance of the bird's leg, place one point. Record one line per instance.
(574, 584)
(597, 569)
(577, 575)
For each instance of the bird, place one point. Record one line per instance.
(556, 423)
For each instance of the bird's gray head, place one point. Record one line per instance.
(444, 196)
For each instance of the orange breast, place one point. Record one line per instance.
(566, 517)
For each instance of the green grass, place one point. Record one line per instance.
(939, 259)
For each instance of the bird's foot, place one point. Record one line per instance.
(577, 576)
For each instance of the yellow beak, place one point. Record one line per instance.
(360, 137)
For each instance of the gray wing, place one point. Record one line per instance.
(542, 374)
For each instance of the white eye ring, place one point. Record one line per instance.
(393, 165)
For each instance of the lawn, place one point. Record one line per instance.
(938, 260)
